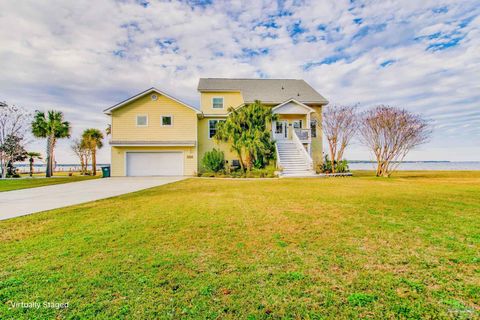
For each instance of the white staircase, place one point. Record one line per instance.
(295, 162)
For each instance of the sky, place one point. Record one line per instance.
(81, 57)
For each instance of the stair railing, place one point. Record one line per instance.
(278, 163)
(301, 148)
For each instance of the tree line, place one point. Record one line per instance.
(16, 124)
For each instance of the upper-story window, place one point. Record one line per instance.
(217, 103)
(212, 127)
(142, 120)
(167, 121)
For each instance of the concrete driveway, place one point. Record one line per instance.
(26, 201)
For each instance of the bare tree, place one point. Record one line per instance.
(390, 133)
(339, 126)
(82, 152)
(13, 150)
(13, 122)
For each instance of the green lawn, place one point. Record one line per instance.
(40, 181)
(342, 248)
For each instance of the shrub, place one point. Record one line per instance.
(268, 172)
(340, 166)
(214, 160)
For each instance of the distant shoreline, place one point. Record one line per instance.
(427, 161)
(36, 165)
(349, 161)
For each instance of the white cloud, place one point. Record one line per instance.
(58, 54)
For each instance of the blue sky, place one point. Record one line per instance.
(82, 58)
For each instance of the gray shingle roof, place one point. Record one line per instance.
(265, 90)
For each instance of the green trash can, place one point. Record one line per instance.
(105, 172)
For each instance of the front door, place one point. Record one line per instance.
(281, 130)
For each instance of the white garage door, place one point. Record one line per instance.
(154, 164)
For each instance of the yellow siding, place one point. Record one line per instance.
(317, 143)
(124, 121)
(230, 99)
(206, 144)
(186, 127)
(118, 158)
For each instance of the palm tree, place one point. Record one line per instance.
(108, 130)
(247, 130)
(230, 132)
(92, 139)
(53, 127)
(31, 158)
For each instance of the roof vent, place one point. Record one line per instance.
(298, 94)
(283, 88)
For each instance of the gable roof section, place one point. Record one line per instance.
(143, 93)
(266, 90)
(293, 101)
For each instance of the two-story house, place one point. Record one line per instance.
(154, 133)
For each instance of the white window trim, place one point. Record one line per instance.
(223, 102)
(161, 120)
(141, 125)
(208, 129)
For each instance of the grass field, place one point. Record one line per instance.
(362, 247)
(39, 180)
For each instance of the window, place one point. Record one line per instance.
(313, 128)
(212, 127)
(167, 121)
(217, 103)
(297, 124)
(278, 127)
(142, 120)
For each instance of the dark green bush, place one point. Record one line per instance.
(214, 160)
(267, 172)
(340, 166)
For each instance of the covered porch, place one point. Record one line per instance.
(293, 123)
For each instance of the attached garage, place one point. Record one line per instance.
(154, 164)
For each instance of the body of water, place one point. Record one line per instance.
(356, 165)
(421, 165)
(25, 167)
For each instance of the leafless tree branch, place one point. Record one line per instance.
(339, 126)
(391, 133)
(14, 121)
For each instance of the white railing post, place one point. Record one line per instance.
(301, 148)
